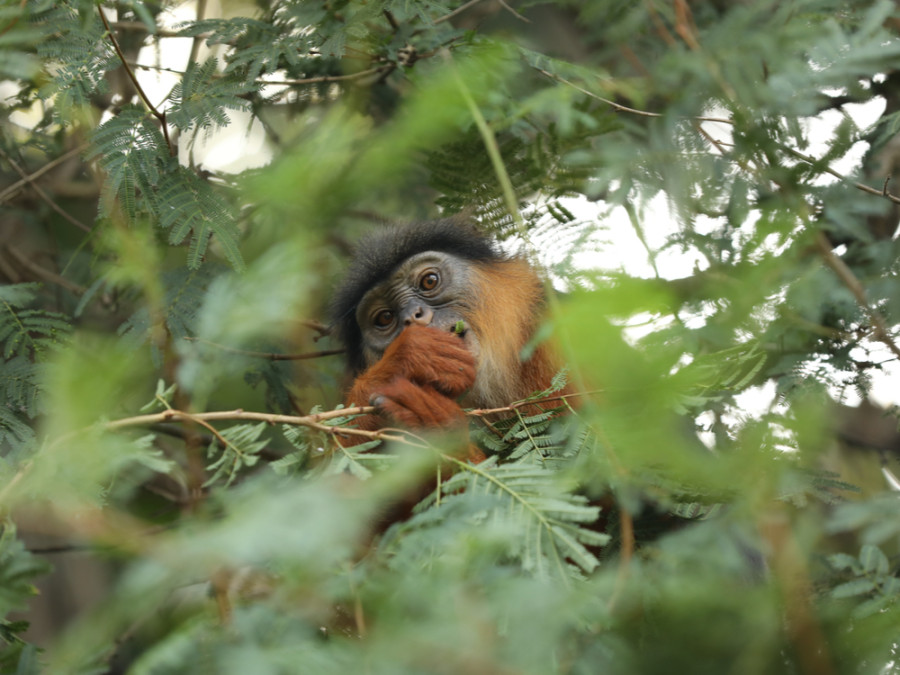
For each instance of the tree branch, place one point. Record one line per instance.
(458, 10)
(333, 78)
(315, 421)
(43, 195)
(883, 192)
(42, 273)
(161, 116)
(30, 178)
(271, 356)
(845, 274)
(481, 412)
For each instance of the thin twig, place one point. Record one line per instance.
(458, 10)
(158, 33)
(845, 274)
(513, 12)
(162, 69)
(312, 421)
(43, 195)
(62, 548)
(718, 144)
(622, 108)
(317, 326)
(160, 116)
(271, 356)
(860, 186)
(883, 192)
(333, 78)
(391, 20)
(15, 20)
(286, 83)
(43, 273)
(480, 412)
(315, 421)
(30, 178)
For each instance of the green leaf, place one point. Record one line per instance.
(853, 588)
(873, 560)
(202, 97)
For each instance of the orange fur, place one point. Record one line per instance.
(510, 303)
(433, 363)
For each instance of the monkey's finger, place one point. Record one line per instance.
(429, 356)
(450, 377)
(437, 358)
(417, 406)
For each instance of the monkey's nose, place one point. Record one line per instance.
(420, 314)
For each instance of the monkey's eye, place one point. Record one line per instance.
(384, 318)
(429, 281)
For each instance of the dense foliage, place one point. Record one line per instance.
(180, 183)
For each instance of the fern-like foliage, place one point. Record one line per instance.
(19, 384)
(522, 435)
(462, 172)
(131, 149)
(260, 47)
(144, 179)
(74, 40)
(200, 99)
(18, 568)
(24, 331)
(464, 175)
(188, 205)
(183, 295)
(536, 431)
(15, 432)
(359, 460)
(27, 337)
(722, 373)
(235, 448)
(553, 525)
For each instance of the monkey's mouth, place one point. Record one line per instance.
(460, 328)
(468, 336)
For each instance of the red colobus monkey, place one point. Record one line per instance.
(434, 317)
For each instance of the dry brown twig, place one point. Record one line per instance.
(314, 421)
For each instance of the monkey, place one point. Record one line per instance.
(434, 317)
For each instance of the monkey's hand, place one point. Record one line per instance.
(424, 356)
(417, 380)
(417, 406)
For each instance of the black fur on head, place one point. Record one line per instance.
(380, 253)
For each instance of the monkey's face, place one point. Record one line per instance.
(432, 289)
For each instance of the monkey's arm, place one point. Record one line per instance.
(417, 380)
